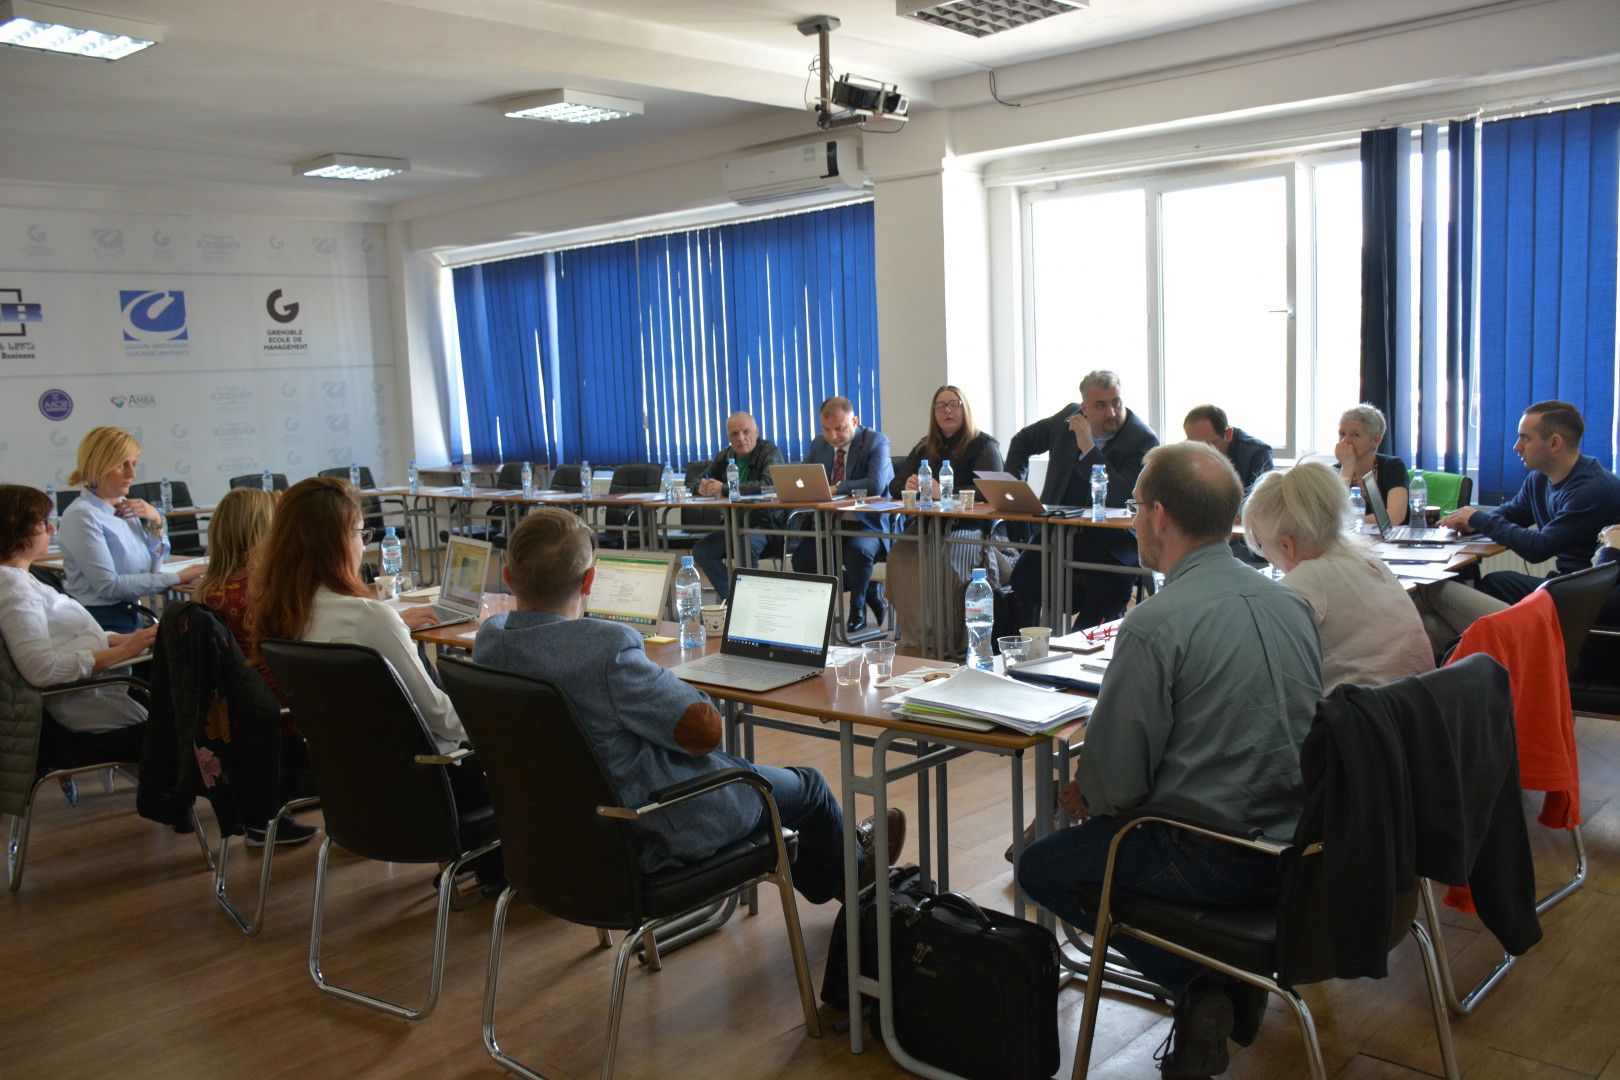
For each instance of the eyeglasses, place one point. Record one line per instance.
(947, 406)
(366, 535)
(1132, 507)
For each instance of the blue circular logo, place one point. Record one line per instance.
(55, 405)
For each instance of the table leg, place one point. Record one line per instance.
(852, 892)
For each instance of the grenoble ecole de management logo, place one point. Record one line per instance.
(153, 316)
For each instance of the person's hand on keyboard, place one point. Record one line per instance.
(418, 618)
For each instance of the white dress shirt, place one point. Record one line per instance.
(51, 638)
(355, 620)
(109, 559)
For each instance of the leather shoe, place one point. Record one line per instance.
(857, 622)
(875, 601)
(866, 837)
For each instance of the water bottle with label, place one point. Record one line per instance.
(925, 486)
(585, 483)
(1417, 497)
(393, 552)
(1099, 493)
(666, 482)
(689, 604)
(50, 514)
(413, 478)
(947, 484)
(980, 604)
(266, 481)
(733, 480)
(165, 496)
(1358, 511)
(354, 476)
(466, 478)
(528, 480)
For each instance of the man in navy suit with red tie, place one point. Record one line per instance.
(857, 459)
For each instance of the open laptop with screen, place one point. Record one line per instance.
(630, 588)
(801, 484)
(461, 586)
(1399, 534)
(777, 630)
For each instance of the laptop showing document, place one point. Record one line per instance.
(630, 588)
(1399, 534)
(461, 586)
(777, 630)
(801, 484)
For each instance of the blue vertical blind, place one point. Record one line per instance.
(504, 324)
(646, 346)
(1549, 223)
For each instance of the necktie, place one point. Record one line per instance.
(838, 468)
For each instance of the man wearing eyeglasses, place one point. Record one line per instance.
(1098, 430)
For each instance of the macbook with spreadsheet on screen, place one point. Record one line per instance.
(630, 588)
(777, 629)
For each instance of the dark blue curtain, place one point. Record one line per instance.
(1385, 363)
(1548, 234)
(597, 393)
(502, 315)
(1462, 142)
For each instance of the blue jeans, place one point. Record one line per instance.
(806, 804)
(1153, 859)
(710, 554)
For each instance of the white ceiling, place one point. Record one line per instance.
(240, 90)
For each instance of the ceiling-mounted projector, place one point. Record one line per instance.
(851, 99)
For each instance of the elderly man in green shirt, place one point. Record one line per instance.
(1211, 690)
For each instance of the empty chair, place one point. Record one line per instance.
(370, 505)
(572, 848)
(384, 790)
(277, 480)
(185, 533)
(1447, 491)
(621, 521)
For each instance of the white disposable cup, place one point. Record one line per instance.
(714, 618)
(1040, 640)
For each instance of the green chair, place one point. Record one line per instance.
(1447, 490)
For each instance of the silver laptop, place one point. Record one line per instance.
(630, 588)
(461, 586)
(801, 484)
(1399, 534)
(777, 630)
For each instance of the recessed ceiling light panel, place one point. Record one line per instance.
(47, 28)
(981, 18)
(571, 107)
(352, 167)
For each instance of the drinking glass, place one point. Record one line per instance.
(880, 658)
(849, 670)
(1013, 649)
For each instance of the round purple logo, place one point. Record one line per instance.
(55, 405)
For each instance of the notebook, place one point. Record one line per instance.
(801, 484)
(777, 630)
(630, 588)
(1399, 534)
(461, 586)
(1005, 492)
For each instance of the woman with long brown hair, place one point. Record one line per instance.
(239, 523)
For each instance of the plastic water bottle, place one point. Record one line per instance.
(528, 480)
(1417, 496)
(266, 481)
(1099, 493)
(947, 483)
(689, 605)
(50, 514)
(733, 480)
(1358, 511)
(466, 478)
(585, 484)
(666, 482)
(354, 476)
(925, 486)
(413, 478)
(981, 621)
(166, 496)
(393, 552)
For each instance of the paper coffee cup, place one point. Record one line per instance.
(1040, 639)
(714, 618)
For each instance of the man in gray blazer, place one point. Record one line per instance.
(857, 459)
(650, 729)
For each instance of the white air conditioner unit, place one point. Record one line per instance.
(828, 165)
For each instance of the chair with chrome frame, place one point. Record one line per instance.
(385, 791)
(572, 849)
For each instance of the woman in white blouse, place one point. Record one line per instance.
(113, 546)
(53, 639)
(1371, 633)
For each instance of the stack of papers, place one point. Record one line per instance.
(979, 700)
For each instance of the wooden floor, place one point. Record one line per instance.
(115, 959)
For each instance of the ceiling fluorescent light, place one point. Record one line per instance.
(352, 167)
(981, 18)
(571, 107)
(46, 28)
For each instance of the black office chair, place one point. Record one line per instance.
(185, 534)
(384, 789)
(1579, 597)
(565, 478)
(370, 506)
(620, 521)
(1274, 947)
(64, 499)
(277, 480)
(572, 849)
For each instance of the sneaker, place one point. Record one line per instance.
(866, 837)
(1248, 1010)
(1196, 1045)
(289, 832)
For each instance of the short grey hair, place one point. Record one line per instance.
(1367, 415)
(1102, 379)
(1308, 502)
(1196, 485)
